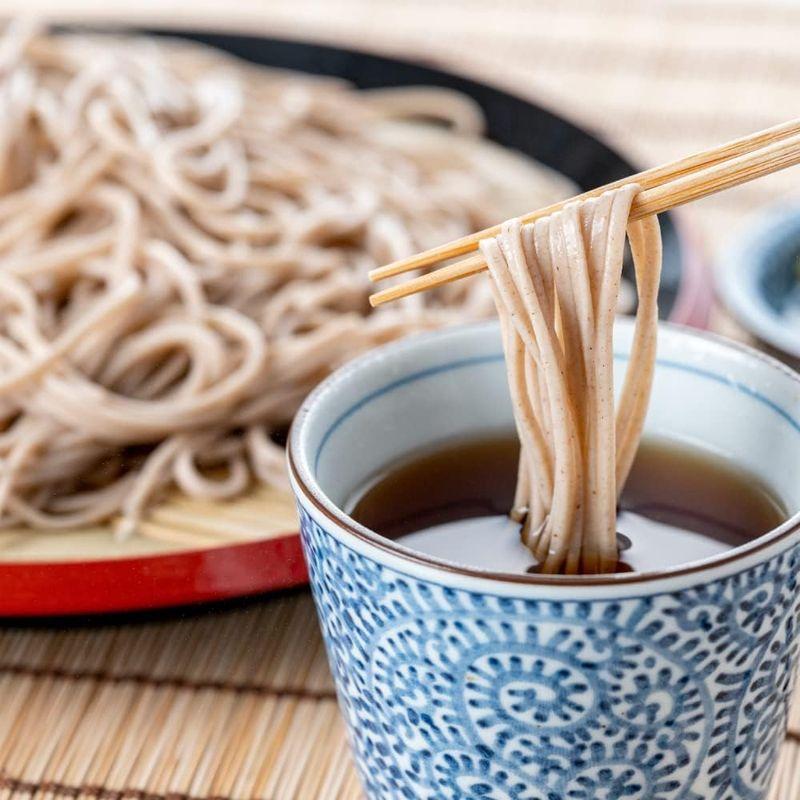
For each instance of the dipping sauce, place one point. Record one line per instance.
(680, 504)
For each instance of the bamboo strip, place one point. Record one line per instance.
(238, 750)
(331, 758)
(266, 728)
(786, 784)
(172, 535)
(262, 511)
(341, 770)
(178, 523)
(221, 527)
(793, 723)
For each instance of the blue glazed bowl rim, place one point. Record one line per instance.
(775, 236)
(352, 528)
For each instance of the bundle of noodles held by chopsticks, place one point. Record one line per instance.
(184, 242)
(557, 285)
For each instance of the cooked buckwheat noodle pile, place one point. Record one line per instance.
(556, 284)
(184, 243)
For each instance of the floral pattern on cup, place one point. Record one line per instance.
(454, 694)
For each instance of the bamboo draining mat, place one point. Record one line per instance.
(178, 523)
(238, 704)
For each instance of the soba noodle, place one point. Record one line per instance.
(184, 242)
(556, 285)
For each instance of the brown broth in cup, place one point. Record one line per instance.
(680, 504)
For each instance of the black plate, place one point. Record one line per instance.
(511, 121)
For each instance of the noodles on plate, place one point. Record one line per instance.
(184, 243)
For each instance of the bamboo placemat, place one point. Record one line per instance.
(230, 704)
(238, 703)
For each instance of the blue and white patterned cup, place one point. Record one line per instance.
(457, 683)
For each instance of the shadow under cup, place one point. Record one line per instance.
(457, 683)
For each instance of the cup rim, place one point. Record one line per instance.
(307, 486)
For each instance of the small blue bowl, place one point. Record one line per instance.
(758, 279)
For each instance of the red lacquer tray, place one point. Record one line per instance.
(35, 589)
(87, 573)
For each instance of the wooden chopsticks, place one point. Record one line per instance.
(663, 187)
